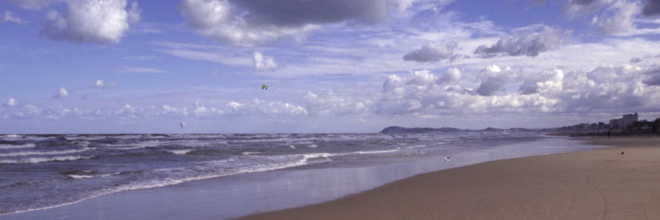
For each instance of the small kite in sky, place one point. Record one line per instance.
(264, 87)
(181, 124)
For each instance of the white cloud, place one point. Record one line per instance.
(494, 79)
(208, 52)
(10, 103)
(431, 52)
(102, 84)
(331, 104)
(606, 89)
(618, 18)
(264, 63)
(202, 111)
(580, 7)
(526, 44)
(132, 69)
(61, 93)
(91, 21)
(29, 111)
(51, 112)
(543, 82)
(264, 108)
(423, 95)
(250, 23)
(9, 17)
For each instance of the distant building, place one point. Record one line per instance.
(624, 122)
(629, 119)
(616, 123)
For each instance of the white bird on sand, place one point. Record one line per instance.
(447, 158)
(181, 124)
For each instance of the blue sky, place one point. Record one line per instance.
(121, 66)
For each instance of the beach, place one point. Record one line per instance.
(610, 183)
(507, 181)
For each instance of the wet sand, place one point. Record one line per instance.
(597, 184)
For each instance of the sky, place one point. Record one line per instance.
(136, 66)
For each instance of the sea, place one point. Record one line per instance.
(39, 172)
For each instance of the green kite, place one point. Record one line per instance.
(264, 87)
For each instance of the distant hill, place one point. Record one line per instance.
(402, 130)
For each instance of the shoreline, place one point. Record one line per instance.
(609, 183)
(225, 197)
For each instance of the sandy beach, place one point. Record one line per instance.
(612, 183)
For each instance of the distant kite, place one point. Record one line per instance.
(181, 124)
(264, 87)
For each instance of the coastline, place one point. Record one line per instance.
(264, 192)
(596, 184)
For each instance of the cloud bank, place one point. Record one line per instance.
(256, 22)
(605, 89)
(651, 8)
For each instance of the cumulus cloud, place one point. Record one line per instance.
(431, 52)
(259, 107)
(61, 93)
(330, 104)
(619, 18)
(651, 8)
(255, 22)
(624, 88)
(10, 103)
(91, 21)
(543, 82)
(264, 63)
(8, 16)
(50, 112)
(494, 79)
(531, 44)
(102, 84)
(425, 94)
(653, 73)
(607, 87)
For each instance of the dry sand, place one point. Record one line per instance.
(598, 184)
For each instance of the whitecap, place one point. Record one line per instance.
(30, 153)
(46, 159)
(179, 152)
(76, 176)
(9, 146)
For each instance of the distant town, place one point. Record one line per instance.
(627, 124)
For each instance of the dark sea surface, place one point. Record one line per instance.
(45, 171)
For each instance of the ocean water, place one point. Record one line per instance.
(45, 171)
